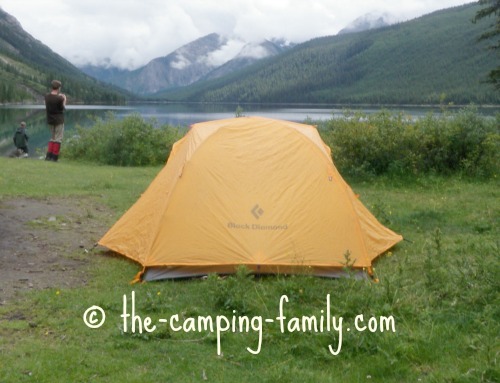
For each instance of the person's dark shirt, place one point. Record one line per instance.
(54, 105)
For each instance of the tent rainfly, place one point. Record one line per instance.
(250, 191)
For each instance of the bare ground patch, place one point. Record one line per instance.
(46, 243)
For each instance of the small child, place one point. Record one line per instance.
(21, 140)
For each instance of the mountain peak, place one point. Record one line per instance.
(209, 56)
(368, 21)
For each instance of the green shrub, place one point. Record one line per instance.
(384, 143)
(128, 142)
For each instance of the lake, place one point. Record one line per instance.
(175, 114)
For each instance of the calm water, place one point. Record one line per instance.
(181, 115)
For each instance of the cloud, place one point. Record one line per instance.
(226, 53)
(180, 62)
(254, 51)
(130, 33)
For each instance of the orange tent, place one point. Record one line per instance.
(250, 191)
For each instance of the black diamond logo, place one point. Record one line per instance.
(257, 211)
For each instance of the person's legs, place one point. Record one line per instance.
(58, 133)
(25, 151)
(56, 145)
(56, 148)
(48, 157)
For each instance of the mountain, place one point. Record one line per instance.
(27, 67)
(435, 58)
(208, 57)
(249, 54)
(182, 67)
(369, 21)
(432, 59)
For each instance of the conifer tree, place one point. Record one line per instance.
(491, 8)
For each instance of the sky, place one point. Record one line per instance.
(129, 33)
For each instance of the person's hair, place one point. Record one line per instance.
(56, 84)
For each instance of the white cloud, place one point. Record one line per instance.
(130, 33)
(254, 51)
(180, 63)
(226, 53)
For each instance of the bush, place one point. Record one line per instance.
(383, 143)
(128, 142)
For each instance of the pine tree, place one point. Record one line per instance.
(492, 7)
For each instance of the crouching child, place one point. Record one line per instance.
(21, 141)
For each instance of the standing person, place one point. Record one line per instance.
(21, 140)
(55, 104)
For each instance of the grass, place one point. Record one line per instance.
(117, 187)
(441, 289)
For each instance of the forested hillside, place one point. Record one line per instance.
(27, 66)
(432, 59)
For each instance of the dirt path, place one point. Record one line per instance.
(46, 243)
